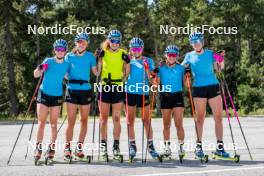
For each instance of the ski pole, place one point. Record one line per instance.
(94, 112)
(23, 122)
(150, 116)
(192, 104)
(30, 134)
(228, 115)
(237, 117)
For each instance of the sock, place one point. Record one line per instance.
(199, 144)
(220, 145)
(79, 145)
(167, 143)
(116, 144)
(103, 145)
(132, 141)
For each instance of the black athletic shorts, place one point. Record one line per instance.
(49, 100)
(80, 97)
(210, 91)
(137, 100)
(112, 94)
(171, 100)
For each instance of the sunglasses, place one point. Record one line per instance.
(172, 55)
(115, 41)
(60, 49)
(139, 49)
(82, 42)
(196, 42)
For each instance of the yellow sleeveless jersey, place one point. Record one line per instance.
(112, 67)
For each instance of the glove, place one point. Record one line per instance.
(125, 58)
(187, 70)
(218, 57)
(99, 53)
(43, 67)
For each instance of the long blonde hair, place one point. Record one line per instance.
(105, 45)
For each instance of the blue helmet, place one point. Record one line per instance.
(115, 35)
(82, 36)
(196, 37)
(60, 43)
(172, 49)
(136, 43)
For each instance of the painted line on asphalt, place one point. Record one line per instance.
(202, 172)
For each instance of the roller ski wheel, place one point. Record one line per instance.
(201, 156)
(49, 161)
(104, 158)
(166, 157)
(131, 159)
(86, 159)
(203, 159)
(156, 156)
(37, 160)
(235, 159)
(119, 158)
(181, 156)
(68, 159)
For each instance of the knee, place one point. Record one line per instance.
(84, 121)
(116, 117)
(166, 126)
(218, 120)
(41, 124)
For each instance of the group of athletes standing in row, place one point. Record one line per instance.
(114, 65)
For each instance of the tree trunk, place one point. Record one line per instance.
(8, 54)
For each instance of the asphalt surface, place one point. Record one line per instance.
(253, 128)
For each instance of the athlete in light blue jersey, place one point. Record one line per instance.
(50, 94)
(205, 88)
(136, 97)
(79, 92)
(170, 77)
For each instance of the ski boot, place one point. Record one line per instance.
(223, 155)
(199, 154)
(37, 155)
(117, 155)
(154, 154)
(166, 152)
(68, 154)
(49, 156)
(79, 155)
(181, 153)
(132, 152)
(103, 148)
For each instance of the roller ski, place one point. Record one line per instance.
(117, 155)
(199, 154)
(223, 155)
(181, 153)
(68, 154)
(166, 152)
(37, 155)
(132, 153)
(154, 154)
(49, 156)
(78, 155)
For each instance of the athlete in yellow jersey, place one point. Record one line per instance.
(115, 66)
